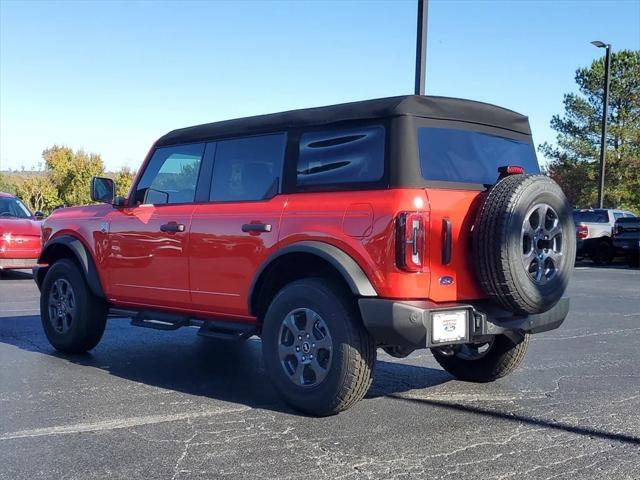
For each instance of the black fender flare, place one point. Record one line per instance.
(346, 266)
(80, 253)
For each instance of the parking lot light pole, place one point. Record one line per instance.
(421, 46)
(605, 109)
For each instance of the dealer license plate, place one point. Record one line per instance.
(449, 326)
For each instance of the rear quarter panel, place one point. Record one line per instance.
(362, 224)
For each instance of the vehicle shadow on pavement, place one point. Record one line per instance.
(15, 275)
(514, 417)
(204, 367)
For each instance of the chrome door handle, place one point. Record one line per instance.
(172, 227)
(256, 227)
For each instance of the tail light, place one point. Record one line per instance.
(583, 232)
(618, 229)
(410, 239)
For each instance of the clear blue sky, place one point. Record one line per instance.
(111, 77)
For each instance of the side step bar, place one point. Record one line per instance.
(214, 328)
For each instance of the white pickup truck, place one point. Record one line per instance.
(594, 233)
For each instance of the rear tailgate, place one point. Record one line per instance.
(459, 165)
(455, 280)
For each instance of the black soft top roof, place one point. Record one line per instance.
(441, 108)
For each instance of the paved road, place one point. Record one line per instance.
(148, 404)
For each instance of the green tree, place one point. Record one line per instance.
(123, 178)
(6, 185)
(574, 158)
(38, 193)
(71, 173)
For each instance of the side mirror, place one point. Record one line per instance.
(38, 215)
(103, 190)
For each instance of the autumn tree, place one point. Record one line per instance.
(123, 178)
(6, 185)
(38, 193)
(71, 172)
(574, 158)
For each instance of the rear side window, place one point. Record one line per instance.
(591, 216)
(248, 168)
(171, 175)
(354, 155)
(466, 156)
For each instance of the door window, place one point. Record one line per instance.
(248, 168)
(171, 175)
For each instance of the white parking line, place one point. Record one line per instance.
(116, 424)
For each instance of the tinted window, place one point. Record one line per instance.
(591, 216)
(471, 157)
(248, 168)
(617, 215)
(341, 156)
(13, 208)
(171, 175)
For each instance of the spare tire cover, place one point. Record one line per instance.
(524, 243)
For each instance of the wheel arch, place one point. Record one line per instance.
(67, 246)
(301, 259)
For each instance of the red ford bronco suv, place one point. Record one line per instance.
(401, 223)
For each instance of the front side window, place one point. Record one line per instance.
(13, 208)
(248, 169)
(171, 175)
(350, 155)
(467, 156)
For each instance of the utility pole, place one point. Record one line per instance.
(605, 111)
(421, 46)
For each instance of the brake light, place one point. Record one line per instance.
(507, 170)
(410, 240)
(583, 232)
(618, 229)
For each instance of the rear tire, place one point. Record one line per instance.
(310, 317)
(502, 357)
(603, 253)
(72, 317)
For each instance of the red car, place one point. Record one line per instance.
(20, 242)
(401, 223)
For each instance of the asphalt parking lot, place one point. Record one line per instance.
(171, 405)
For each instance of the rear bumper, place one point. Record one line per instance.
(17, 263)
(408, 323)
(627, 244)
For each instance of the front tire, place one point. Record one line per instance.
(473, 364)
(72, 317)
(316, 350)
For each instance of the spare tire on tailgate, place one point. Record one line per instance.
(524, 243)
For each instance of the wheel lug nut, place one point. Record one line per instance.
(310, 357)
(303, 358)
(297, 349)
(299, 337)
(308, 335)
(313, 345)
